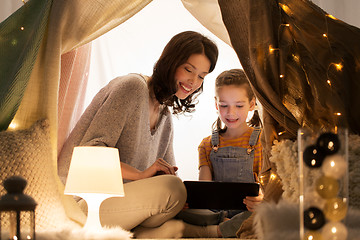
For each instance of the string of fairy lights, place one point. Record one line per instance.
(325, 221)
(337, 65)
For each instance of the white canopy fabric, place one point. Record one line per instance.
(55, 82)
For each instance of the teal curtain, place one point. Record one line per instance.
(21, 35)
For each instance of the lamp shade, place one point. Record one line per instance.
(95, 169)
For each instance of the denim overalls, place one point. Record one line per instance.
(230, 164)
(233, 164)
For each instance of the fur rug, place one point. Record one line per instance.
(81, 234)
(281, 221)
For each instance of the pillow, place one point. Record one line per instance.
(28, 153)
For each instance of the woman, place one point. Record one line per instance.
(132, 113)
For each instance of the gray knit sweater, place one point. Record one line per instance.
(118, 116)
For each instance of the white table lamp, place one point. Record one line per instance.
(94, 175)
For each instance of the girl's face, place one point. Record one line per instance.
(233, 105)
(190, 75)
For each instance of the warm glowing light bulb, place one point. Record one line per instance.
(281, 75)
(331, 16)
(13, 126)
(272, 176)
(325, 35)
(329, 82)
(337, 114)
(281, 133)
(261, 179)
(285, 8)
(338, 66)
(22, 28)
(296, 58)
(271, 49)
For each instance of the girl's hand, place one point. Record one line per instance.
(252, 202)
(159, 167)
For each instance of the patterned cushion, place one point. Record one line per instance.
(28, 153)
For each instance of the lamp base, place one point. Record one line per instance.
(93, 201)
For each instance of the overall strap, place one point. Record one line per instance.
(253, 139)
(215, 140)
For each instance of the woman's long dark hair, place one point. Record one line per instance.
(236, 77)
(176, 53)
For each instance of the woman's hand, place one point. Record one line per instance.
(252, 202)
(159, 167)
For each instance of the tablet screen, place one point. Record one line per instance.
(219, 195)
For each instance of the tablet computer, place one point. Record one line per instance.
(219, 195)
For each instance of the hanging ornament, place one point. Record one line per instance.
(329, 142)
(313, 156)
(314, 218)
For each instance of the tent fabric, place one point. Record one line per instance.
(72, 89)
(21, 36)
(300, 76)
(289, 62)
(303, 65)
(208, 13)
(68, 25)
(71, 24)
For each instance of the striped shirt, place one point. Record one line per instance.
(205, 148)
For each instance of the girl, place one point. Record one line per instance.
(132, 113)
(234, 100)
(231, 154)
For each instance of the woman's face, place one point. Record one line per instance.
(190, 75)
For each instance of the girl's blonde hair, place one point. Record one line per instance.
(238, 78)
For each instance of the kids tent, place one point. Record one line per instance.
(302, 62)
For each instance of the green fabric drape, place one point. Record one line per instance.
(69, 24)
(20, 38)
